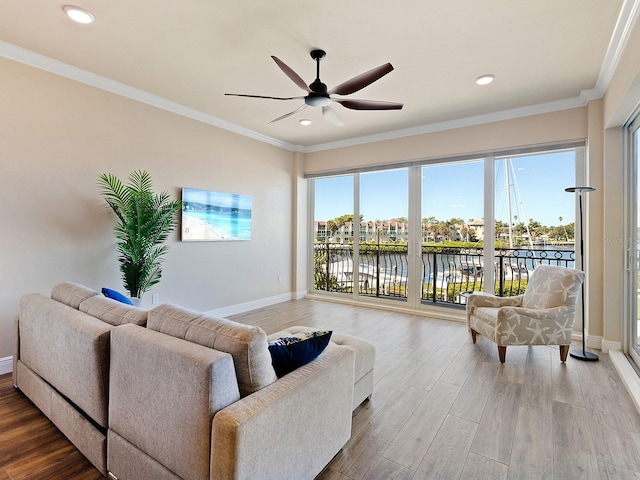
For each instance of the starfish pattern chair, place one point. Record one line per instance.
(543, 315)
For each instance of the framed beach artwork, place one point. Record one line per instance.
(215, 216)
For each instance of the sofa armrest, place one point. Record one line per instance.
(163, 394)
(482, 299)
(290, 429)
(69, 350)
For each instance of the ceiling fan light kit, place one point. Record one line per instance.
(319, 96)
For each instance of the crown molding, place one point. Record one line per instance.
(628, 15)
(540, 108)
(626, 20)
(36, 60)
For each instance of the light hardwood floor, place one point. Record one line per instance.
(442, 408)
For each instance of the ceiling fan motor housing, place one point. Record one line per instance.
(317, 99)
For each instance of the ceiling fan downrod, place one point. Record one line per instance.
(317, 86)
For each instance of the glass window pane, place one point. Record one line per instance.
(534, 216)
(384, 233)
(333, 247)
(452, 230)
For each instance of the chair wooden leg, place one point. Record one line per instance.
(564, 350)
(502, 352)
(473, 335)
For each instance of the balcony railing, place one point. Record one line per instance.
(446, 273)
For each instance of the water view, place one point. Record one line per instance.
(531, 222)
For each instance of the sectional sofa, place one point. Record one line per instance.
(170, 393)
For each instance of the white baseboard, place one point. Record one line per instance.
(6, 365)
(596, 342)
(609, 346)
(627, 374)
(300, 295)
(246, 307)
(443, 313)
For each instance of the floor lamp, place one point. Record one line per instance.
(582, 354)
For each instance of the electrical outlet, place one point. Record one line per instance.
(155, 298)
(280, 277)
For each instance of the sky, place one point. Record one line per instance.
(456, 191)
(217, 198)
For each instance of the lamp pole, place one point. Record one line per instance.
(582, 354)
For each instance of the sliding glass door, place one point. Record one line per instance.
(333, 234)
(384, 234)
(632, 241)
(452, 217)
(427, 234)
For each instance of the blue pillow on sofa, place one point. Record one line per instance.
(289, 353)
(107, 292)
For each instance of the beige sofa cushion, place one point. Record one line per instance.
(246, 344)
(113, 312)
(72, 294)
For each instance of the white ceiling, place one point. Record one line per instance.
(187, 54)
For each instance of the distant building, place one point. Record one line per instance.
(393, 231)
(387, 231)
(477, 226)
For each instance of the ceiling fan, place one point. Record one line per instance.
(319, 96)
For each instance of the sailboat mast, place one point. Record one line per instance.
(521, 203)
(507, 163)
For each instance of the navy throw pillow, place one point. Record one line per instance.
(289, 353)
(107, 292)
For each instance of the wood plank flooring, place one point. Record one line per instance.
(442, 408)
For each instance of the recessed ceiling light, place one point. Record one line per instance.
(78, 14)
(485, 79)
(305, 122)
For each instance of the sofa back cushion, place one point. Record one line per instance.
(112, 311)
(72, 294)
(246, 344)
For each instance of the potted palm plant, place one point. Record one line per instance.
(144, 221)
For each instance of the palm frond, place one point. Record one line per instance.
(144, 223)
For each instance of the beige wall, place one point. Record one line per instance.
(533, 130)
(57, 135)
(594, 218)
(620, 101)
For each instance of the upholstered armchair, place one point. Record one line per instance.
(544, 315)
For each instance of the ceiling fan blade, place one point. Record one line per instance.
(369, 104)
(301, 107)
(291, 74)
(331, 116)
(362, 80)
(261, 96)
